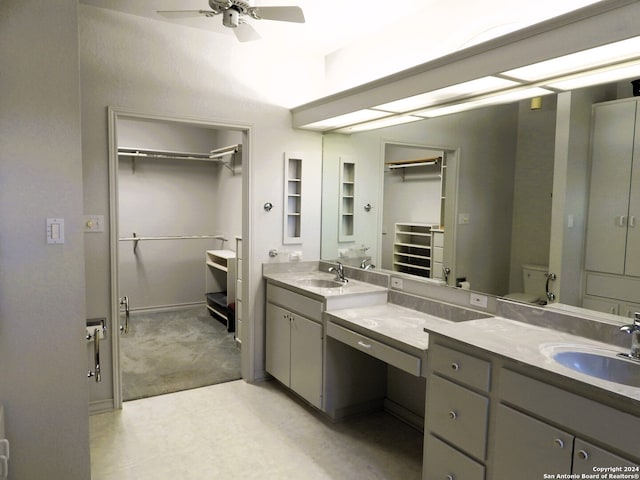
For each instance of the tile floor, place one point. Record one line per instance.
(237, 430)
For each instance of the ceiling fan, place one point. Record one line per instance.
(233, 13)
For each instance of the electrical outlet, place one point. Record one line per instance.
(396, 282)
(478, 300)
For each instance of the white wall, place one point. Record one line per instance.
(43, 382)
(146, 66)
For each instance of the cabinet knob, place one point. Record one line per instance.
(558, 443)
(583, 455)
(455, 366)
(453, 415)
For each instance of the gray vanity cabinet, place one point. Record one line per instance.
(534, 447)
(294, 342)
(490, 418)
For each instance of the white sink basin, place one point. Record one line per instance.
(598, 362)
(321, 283)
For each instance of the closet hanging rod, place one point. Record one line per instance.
(136, 239)
(221, 152)
(173, 237)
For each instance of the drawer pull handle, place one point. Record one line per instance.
(450, 477)
(583, 455)
(453, 415)
(455, 367)
(559, 443)
(364, 345)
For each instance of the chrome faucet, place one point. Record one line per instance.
(339, 271)
(366, 264)
(634, 330)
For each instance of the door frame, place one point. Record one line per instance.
(115, 114)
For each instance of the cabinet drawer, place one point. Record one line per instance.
(438, 254)
(458, 415)
(587, 457)
(460, 367)
(442, 462)
(387, 354)
(239, 268)
(526, 448)
(438, 239)
(295, 302)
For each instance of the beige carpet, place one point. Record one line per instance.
(171, 351)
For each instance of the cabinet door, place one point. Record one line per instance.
(306, 359)
(612, 155)
(587, 456)
(632, 259)
(526, 449)
(277, 343)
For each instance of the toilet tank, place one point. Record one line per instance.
(534, 278)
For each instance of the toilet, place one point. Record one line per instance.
(534, 279)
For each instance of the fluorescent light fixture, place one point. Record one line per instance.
(503, 97)
(347, 119)
(605, 75)
(587, 59)
(385, 122)
(472, 87)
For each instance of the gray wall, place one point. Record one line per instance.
(486, 140)
(43, 383)
(167, 197)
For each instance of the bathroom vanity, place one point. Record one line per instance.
(499, 406)
(505, 397)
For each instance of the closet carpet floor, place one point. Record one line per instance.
(177, 350)
(243, 431)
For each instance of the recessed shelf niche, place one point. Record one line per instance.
(292, 199)
(347, 201)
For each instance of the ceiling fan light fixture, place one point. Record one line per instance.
(231, 18)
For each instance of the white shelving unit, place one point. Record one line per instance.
(238, 309)
(220, 284)
(412, 249)
(292, 200)
(347, 201)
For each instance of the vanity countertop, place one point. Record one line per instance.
(393, 324)
(532, 345)
(294, 280)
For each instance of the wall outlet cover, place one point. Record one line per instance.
(478, 300)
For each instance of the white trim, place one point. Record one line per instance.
(248, 345)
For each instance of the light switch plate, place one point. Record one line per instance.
(55, 230)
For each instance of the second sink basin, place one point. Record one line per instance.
(601, 364)
(321, 283)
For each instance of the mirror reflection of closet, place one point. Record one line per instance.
(413, 198)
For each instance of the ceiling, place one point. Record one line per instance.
(337, 24)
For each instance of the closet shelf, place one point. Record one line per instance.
(418, 162)
(217, 155)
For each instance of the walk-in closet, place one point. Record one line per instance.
(179, 194)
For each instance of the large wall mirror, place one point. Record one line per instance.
(513, 192)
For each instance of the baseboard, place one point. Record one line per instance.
(101, 406)
(363, 408)
(404, 414)
(168, 308)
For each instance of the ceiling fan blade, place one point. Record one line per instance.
(186, 13)
(282, 14)
(246, 33)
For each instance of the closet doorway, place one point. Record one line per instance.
(177, 203)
